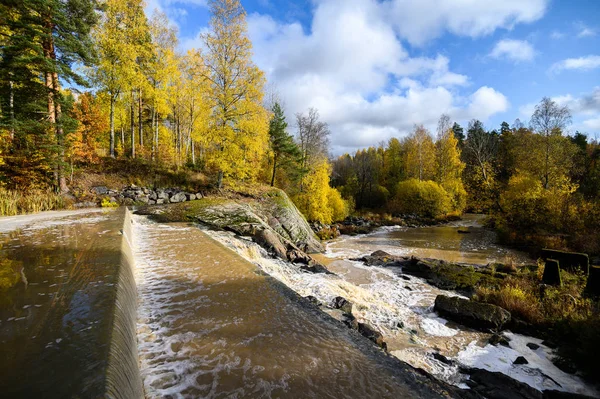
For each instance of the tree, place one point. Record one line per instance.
(282, 143)
(450, 168)
(549, 119)
(313, 137)
(117, 39)
(49, 37)
(239, 131)
(420, 154)
(458, 133)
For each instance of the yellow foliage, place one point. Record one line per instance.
(419, 155)
(318, 201)
(426, 198)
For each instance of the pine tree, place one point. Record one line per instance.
(282, 144)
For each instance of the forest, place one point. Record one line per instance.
(98, 86)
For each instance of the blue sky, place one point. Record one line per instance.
(373, 68)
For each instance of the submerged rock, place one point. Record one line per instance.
(482, 316)
(533, 346)
(499, 339)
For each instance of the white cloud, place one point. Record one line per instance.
(584, 30)
(584, 107)
(423, 20)
(557, 35)
(514, 50)
(585, 63)
(353, 68)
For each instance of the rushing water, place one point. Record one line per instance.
(60, 276)
(401, 307)
(211, 325)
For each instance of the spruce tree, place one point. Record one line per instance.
(282, 143)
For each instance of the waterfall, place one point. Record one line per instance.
(123, 378)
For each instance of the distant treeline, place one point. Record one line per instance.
(540, 185)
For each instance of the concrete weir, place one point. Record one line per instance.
(68, 306)
(122, 374)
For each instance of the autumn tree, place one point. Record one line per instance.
(239, 131)
(549, 120)
(117, 40)
(313, 137)
(419, 154)
(449, 168)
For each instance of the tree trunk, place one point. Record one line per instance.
(156, 136)
(193, 154)
(54, 109)
(11, 104)
(112, 126)
(123, 138)
(152, 131)
(140, 125)
(132, 124)
(274, 170)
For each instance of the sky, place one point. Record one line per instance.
(373, 69)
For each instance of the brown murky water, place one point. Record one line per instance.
(211, 325)
(58, 281)
(465, 241)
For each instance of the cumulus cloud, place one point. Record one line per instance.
(351, 66)
(513, 50)
(423, 20)
(585, 63)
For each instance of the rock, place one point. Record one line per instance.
(142, 198)
(342, 304)
(381, 258)
(552, 273)
(179, 197)
(190, 197)
(152, 195)
(520, 360)
(405, 278)
(269, 240)
(151, 202)
(297, 256)
(85, 204)
(407, 288)
(313, 300)
(199, 196)
(315, 268)
(100, 190)
(350, 321)
(418, 268)
(495, 385)
(162, 194)
(441, 358)
(160, 201)
(483, 316)
(499, 339)
(400, 325)
(463, 231)
(533, 346)
(372, 334)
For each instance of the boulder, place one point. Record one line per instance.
(199, 196)
(533, 346)
(552, 273)
(160, 201)
(382, 258)
(162, 194)
(269, 240)
(315, 267)
(372, 334)
(499, 339)
(100, 190)
(441, 358)
(495, 385)
(418, 268)
(313, 300)
(178, 197)
(342, 303)
(190, 197)
(152, 195)
(296, 256)
(482, 316)
(520, 360)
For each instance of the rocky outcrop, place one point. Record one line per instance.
(272, 221)
(481, 316)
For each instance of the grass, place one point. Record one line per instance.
(563, 315)
(16, 203)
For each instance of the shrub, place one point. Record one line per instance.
(14, 202)
(340, 207)
(425, 198)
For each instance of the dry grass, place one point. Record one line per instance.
(15, 203)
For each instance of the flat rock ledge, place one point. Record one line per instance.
(481, 316)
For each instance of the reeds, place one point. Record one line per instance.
(14, 202)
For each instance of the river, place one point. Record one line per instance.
(217, 317)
